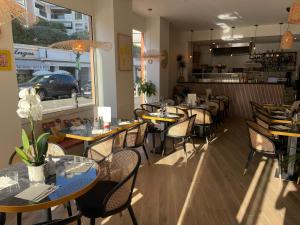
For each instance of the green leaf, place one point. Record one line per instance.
(42, 147)
(23, 156)
(25, 140)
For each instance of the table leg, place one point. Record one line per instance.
(19, 218)
(85, 147)
(292, 147)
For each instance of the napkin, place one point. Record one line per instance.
(172, 116)
(6, 182)
(78, 168)
(124, 123)
(37, 192)
(280, 117)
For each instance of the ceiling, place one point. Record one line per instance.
(206, 14)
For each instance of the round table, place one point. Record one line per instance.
(70, 185)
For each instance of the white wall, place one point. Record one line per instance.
(10, 124)
(164, 46)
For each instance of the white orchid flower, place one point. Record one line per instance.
(30, 105)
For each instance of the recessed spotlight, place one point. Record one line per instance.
(149, 9)
(295, 38)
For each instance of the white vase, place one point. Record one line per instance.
(37, 173)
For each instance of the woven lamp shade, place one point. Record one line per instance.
(287, 40)
(81, 46)
(294, 14)
(10, 10)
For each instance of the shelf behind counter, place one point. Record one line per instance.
(240, 94)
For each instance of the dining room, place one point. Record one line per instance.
(149, 112)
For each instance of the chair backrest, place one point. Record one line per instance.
(119, 139)
(171, 109)
(191, 125)
(150, 107)
(203, 116)
(179, 129)
(138, 113)
(99, 150)
(220, 103)
(182, 111)
(260, 138)
(263, 120)
(141, 134)
(53, 150)
(123, 169)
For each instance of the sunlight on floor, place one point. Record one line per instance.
(254, 196)
(190, 193)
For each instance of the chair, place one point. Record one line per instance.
(258, 108)
(136, 137)
(221, 110)
(263, 120)
(2, 218)
(53, 150)
(113, 194)
(150, 107)
(153, 128)
(181, 130)
(225, 99)
(262, 143)
(66, 221)
(119, 140)
(177, 110)
(203, 121)
(100, 149)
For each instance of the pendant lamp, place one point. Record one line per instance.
(294, 13)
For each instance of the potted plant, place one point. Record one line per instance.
(180, 66)
(33, 152)
(147, 88)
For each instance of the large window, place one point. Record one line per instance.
(56, 73)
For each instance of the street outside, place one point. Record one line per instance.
(53, 105)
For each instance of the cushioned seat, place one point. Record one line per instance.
(90, 204)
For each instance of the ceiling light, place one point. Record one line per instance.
(149, 9)
(229, 16)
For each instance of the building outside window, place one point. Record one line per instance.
(53, 72)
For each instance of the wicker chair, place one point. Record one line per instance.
(153, 128)
(263, 120)
(150, 107)
(136, 137)
(262, 143)
(178, 110)
(221, 110)
(113, 193)
(203, 121)
(53, 150)
(225, 99)
(181, 130)
(101, 149)
(119, 140)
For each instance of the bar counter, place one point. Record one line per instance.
(240, 94)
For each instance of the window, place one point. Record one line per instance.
(138, 67)
(41, 10)
(55, 73)
(78, 16)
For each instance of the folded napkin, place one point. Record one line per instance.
(6, 182)
(155, 114)
(78, 167)
(278, 112)
(37, 192)
(172, 116)
(124, 123)
(97, 131)
(280, 127)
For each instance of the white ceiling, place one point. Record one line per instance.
(203, 14)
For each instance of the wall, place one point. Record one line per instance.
(9, 121)
(164, 46)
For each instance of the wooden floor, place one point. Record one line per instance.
(209, 189)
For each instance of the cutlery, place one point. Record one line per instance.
(46, 192)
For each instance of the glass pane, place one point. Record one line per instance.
(36, 61)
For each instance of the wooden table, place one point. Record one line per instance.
(71, 186)
(87, 135)
(293, 136)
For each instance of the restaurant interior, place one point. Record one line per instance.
(174, 112)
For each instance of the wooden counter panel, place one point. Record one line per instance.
(240, 95)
